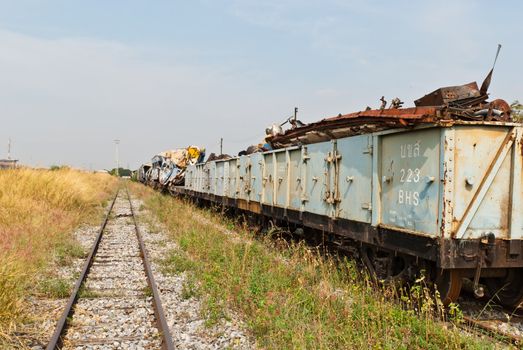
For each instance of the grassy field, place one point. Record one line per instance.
(289, 296)
(38, 211)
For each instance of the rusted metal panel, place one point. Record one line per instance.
(251, 206)
(444, 105)
(446, 205)
(446, 95)
(364, 122)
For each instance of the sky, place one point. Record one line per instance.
(158, 74)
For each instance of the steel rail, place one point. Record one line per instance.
(161, 321)
(480, 327)
(61, 325)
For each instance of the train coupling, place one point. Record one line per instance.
(487, 243)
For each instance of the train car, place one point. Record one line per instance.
(141, 174)
(433, 188)
(167, 168)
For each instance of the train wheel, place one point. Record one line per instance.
(507, 290)
(385, 266)
(449, 284)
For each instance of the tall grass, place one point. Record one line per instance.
(38, 211)
(291, 297)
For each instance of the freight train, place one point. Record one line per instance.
(436, 187)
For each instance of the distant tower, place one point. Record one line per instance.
(9, 149)
(117, 142)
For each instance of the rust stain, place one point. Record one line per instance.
(504, 220)
(250, 206)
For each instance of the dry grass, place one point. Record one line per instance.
(291, 297)
(38, 211)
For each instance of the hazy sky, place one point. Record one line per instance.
(74, 75)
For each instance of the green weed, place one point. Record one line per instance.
(176, 262)
(147, 292)
(190, 288)
(55, 287)
(67, 250)
(87, 293)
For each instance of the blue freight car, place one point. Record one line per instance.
(436, 187)
(448, 195)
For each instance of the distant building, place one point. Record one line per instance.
(8, 163)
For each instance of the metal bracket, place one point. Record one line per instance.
(487, 243)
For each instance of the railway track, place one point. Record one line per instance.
(491, 328)
(492, 320)
(115, 303)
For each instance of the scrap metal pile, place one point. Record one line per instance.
(168, 168)
(444, 105)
